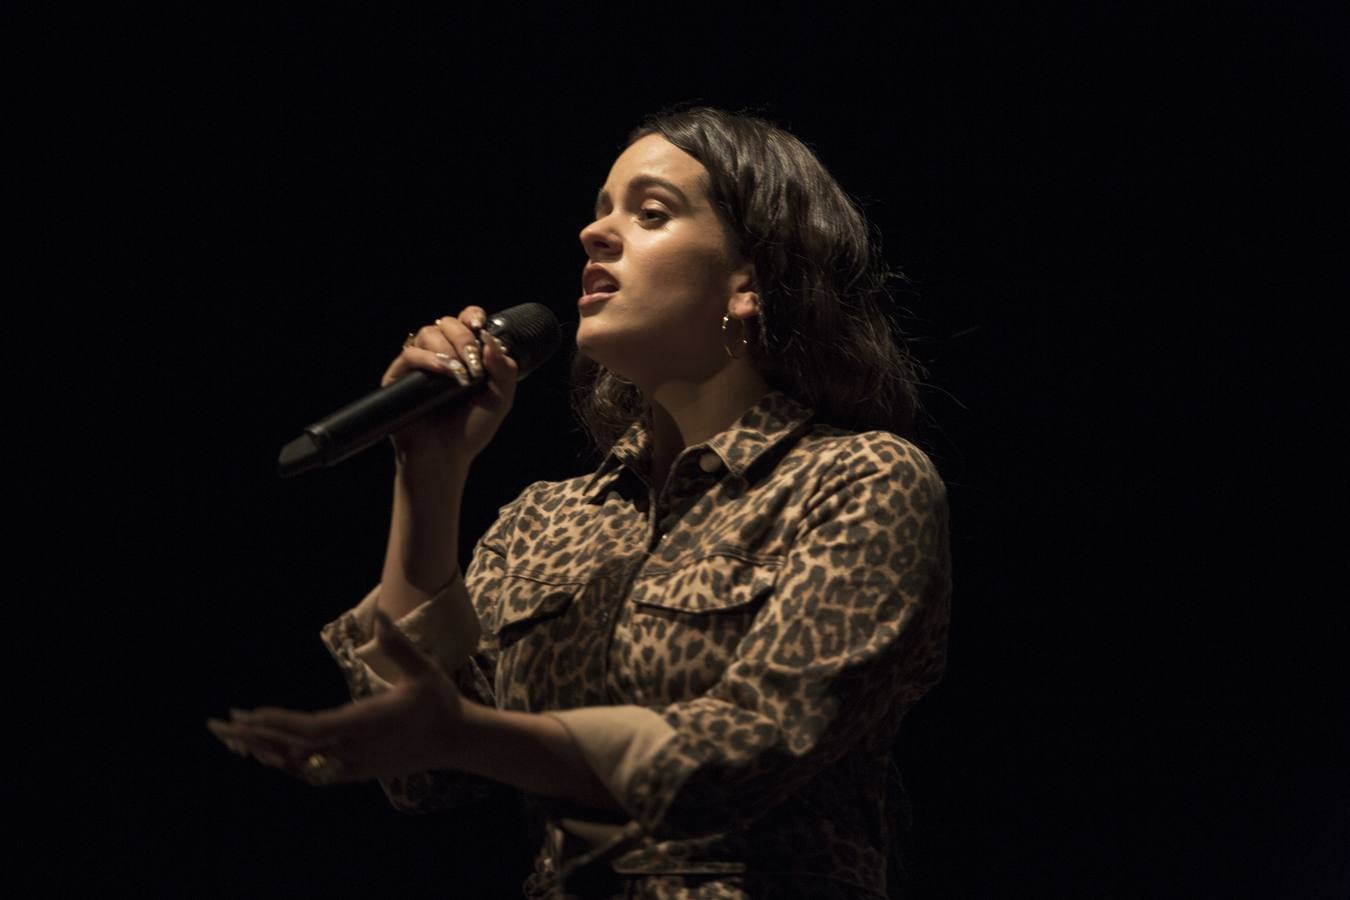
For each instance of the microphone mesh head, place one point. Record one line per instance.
(530, 332)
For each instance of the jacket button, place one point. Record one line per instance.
(709, 462)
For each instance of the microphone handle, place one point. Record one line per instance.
(366, 422)
(529, 333)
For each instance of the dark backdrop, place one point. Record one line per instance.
(1122, 232)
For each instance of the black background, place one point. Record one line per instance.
(1122, 226)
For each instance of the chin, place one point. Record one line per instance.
(584, 347)
(593, 353)
(592, 339)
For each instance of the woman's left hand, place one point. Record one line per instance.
(413, 727)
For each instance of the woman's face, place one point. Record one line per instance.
(661, 263)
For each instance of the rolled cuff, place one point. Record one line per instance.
(444, 627)
(617, 742)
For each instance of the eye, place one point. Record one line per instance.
(651, 216)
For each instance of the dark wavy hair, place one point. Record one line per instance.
(825, 334)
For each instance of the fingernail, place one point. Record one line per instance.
(241, 715)
(475, 366)
(455, 367)
(479, 321)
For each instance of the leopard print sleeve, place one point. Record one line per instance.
(852, 635)
(432, 629)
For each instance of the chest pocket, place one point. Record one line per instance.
(687, 626)
(522, 604)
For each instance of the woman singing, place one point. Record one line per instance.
(693, 660)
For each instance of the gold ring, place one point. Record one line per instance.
(320, 769)
(408, 341)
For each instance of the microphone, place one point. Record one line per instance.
(531, 335)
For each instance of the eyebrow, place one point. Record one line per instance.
(640, 182)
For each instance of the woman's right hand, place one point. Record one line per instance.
(449, 347)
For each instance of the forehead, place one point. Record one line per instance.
(654, 155)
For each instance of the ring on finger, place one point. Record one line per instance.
(408, 341)
(319, 768)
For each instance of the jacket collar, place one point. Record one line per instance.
(772, 419)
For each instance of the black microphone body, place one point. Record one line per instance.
(531, 335)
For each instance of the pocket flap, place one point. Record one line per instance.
(713, 584)
(523, 600)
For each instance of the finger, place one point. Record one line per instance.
(222, 733)
(428, 349)
(473, 317)
(273, 747)
(245, 740)
(439, 363)
(457, 335)
(502, 369)
(302, 725)
(398, 648)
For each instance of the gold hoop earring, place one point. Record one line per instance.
(745, 345)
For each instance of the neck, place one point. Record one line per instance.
(685, 412)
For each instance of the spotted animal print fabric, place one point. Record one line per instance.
(733, 653)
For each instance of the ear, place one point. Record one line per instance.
(744, 300)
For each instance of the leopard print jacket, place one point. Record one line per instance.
(774, 610)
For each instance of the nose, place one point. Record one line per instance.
(599, 240)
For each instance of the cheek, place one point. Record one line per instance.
(677, 268)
